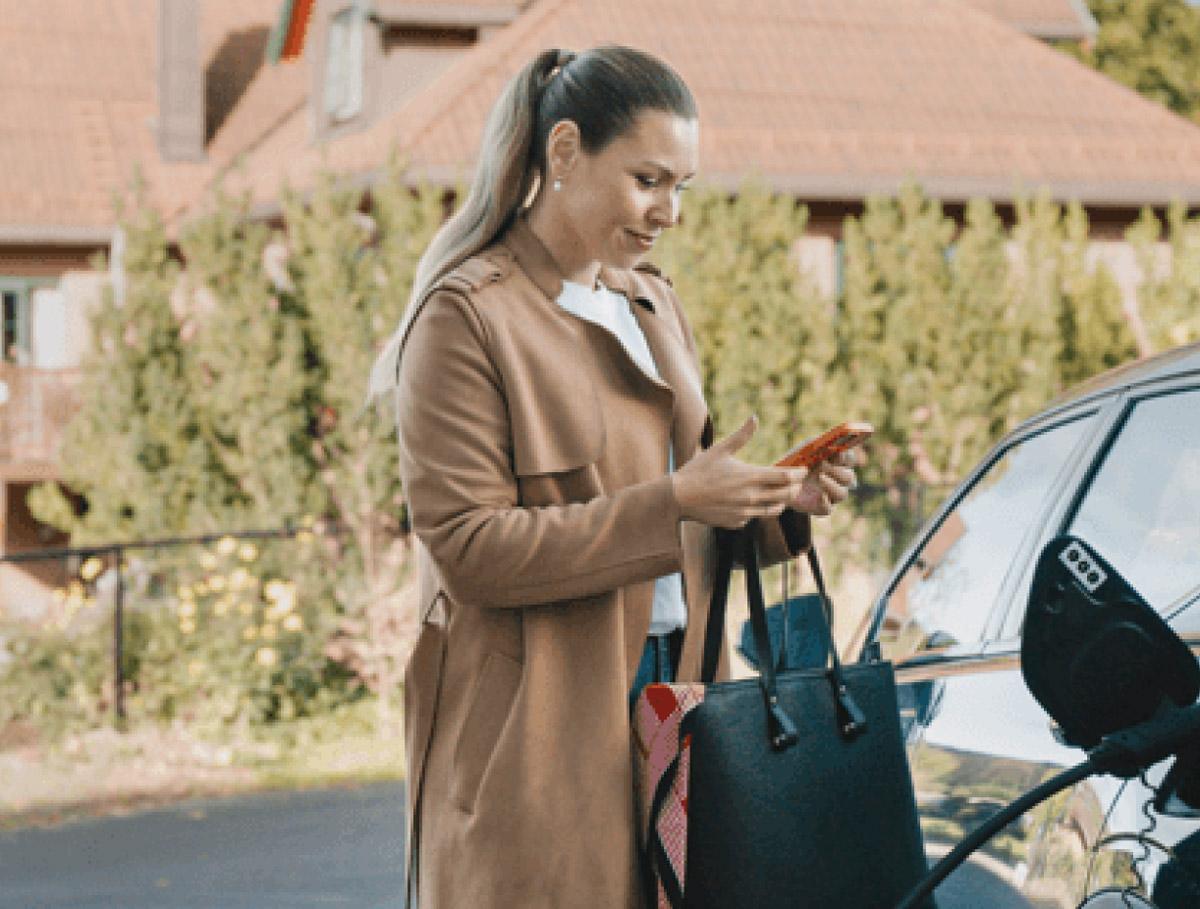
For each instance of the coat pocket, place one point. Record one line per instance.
(491, 702)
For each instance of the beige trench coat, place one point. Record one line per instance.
(533, 452)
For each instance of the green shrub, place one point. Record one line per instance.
(55, 679)
(224, 393)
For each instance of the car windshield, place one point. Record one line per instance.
(947, 592)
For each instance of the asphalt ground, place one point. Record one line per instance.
(333, 847)
(324, 848)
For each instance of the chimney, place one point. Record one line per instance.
(180, 82)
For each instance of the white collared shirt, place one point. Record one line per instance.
(612, 311)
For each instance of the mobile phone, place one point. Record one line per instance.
(841, 438)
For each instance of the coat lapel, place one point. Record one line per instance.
(655, 315)
(656, 318)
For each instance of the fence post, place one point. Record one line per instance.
(118, 680)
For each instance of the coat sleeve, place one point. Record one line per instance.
(788, 535)
(456, 466)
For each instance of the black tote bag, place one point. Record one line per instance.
(799, 791)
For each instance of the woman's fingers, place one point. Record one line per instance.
(851, 457)
(775, 485)
(737, 439)
(834, 490)
(719, 489)
(785, 476)
(816, 501)
(815, 493)
(843, 476)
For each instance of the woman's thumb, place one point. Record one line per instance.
(739, 437)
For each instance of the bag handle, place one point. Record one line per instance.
(782, 663)
(851, 720)
(782, 730)
(715, 630)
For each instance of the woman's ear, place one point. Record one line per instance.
(563, 148)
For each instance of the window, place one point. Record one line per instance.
(949, 589)
(344, 64)
(397, 37)
(1142, 509)
(16, 345)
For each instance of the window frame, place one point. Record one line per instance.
(1061, 484)
(1121, 404)
(1129, 403)
(345, 52)
(24, 287)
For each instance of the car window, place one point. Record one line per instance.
(949, 588)
(1142, 509)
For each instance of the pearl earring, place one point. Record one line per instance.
(557, 185)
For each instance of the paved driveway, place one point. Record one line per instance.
(339, 847)
(335, 847)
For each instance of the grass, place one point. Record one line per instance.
(103, 772)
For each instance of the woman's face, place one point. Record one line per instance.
(617, 201)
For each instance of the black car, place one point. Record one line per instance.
(1115, 463)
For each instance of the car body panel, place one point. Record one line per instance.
(978, 739)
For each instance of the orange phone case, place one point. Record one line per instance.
(841, 438)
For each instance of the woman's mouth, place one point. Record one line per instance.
(643, 241)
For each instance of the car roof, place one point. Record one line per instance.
(1169, 363)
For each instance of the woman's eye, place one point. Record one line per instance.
(646, 182)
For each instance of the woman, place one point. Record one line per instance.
(562, 485)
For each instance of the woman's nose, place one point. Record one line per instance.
(665, 211)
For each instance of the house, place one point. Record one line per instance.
(87, 101)
(828, 100)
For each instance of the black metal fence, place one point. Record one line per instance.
(913, 504)
(117, 552)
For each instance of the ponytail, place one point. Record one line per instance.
(502, 181)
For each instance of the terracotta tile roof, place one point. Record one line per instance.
(78, 100)
(827, 100)
(1069, 19)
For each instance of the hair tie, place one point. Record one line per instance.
(560, 63)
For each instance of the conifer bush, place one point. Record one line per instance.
(224, 392)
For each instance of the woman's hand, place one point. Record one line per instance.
(717, 489)
(827, 485)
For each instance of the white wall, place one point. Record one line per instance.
(59, 317)
(817, 258)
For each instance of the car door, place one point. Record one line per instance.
(1139, 507)
(976, 737)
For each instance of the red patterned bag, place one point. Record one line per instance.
(656, 718)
